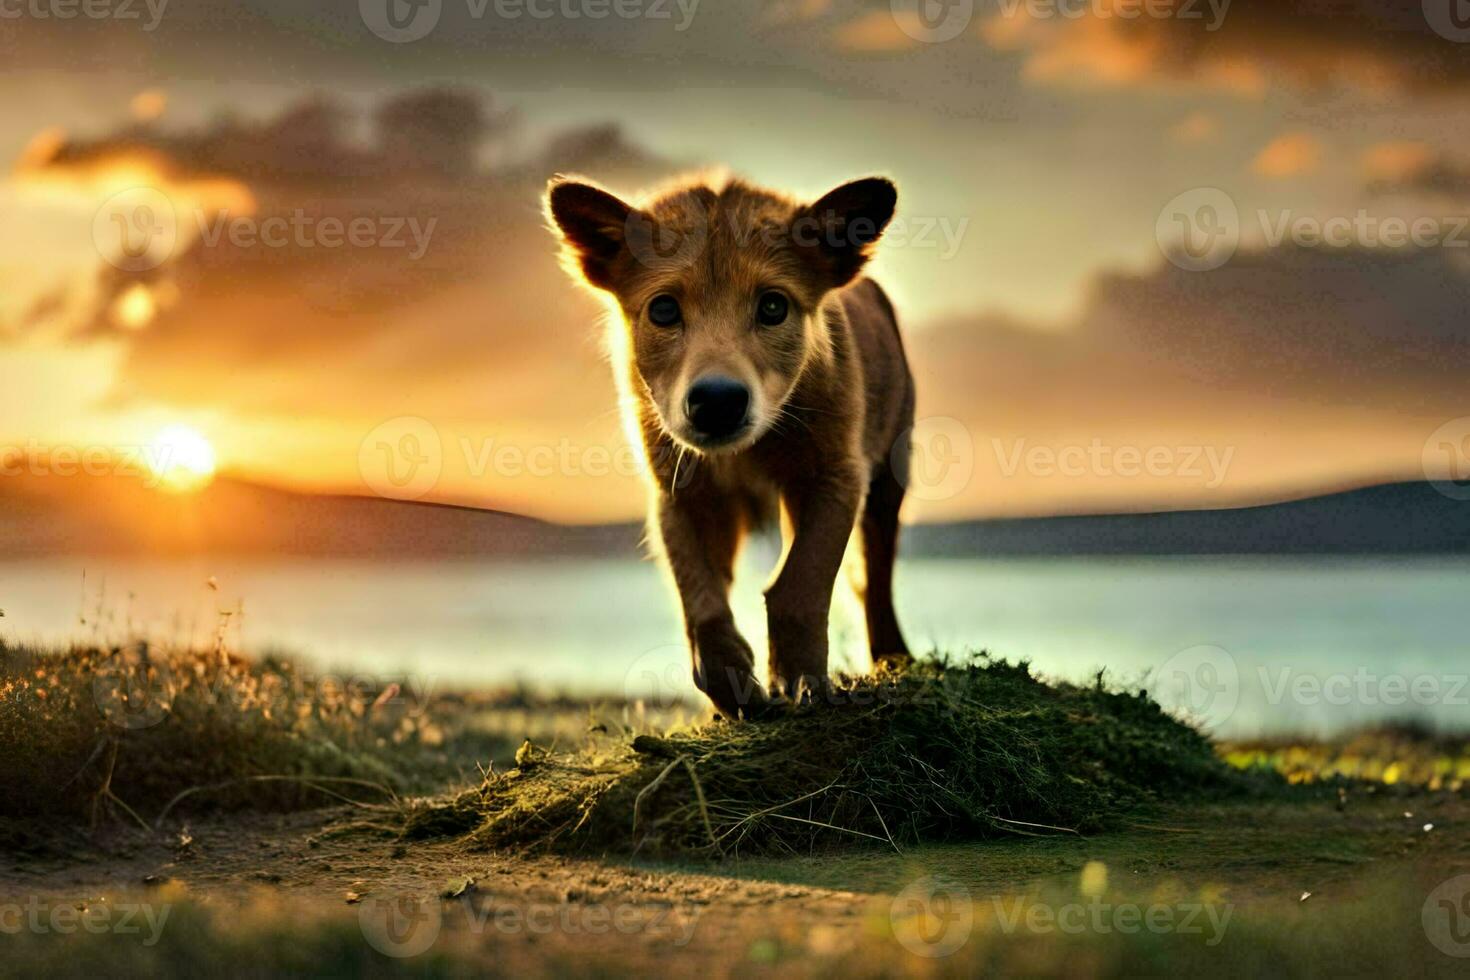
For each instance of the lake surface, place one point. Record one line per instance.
(1246, 646)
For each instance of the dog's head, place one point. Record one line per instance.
(721, 290)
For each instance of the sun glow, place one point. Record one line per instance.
(181, 459)
(135, 308)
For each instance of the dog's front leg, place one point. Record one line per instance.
(822, 514)
(700, 539)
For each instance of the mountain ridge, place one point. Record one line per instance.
(112, 515)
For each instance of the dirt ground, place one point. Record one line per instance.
(933, 909)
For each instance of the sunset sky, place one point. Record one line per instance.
(1042, 161)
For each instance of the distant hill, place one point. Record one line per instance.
(1395, 518)
(117, 515)
(42, 516)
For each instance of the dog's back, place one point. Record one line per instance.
(887, 383)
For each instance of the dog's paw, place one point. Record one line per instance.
(724, 669)
(802, 689)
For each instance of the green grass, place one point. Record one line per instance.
(944, 751)
(92, 734)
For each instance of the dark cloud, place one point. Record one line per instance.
(1380, 45)
(451, 297)
(1310, 368)
(1427, 174)
(434, 133)
(1377, 328)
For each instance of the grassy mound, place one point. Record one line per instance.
(131, 732)
(942, 751)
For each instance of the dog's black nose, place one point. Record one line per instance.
(717, 405)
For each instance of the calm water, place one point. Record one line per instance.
(1247, 645)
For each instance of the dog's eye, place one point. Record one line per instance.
(771, 310)
(664, 311)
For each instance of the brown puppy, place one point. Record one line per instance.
(759, 370)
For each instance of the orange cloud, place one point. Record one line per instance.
(148, 104)
(1197, 127)
(1243, 47)
(1289, 155)
(879, 31)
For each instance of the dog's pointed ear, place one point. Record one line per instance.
(841, 228)
(593, 226)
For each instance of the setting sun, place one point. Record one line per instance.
(181, 459)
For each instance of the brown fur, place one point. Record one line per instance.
(830, 396)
